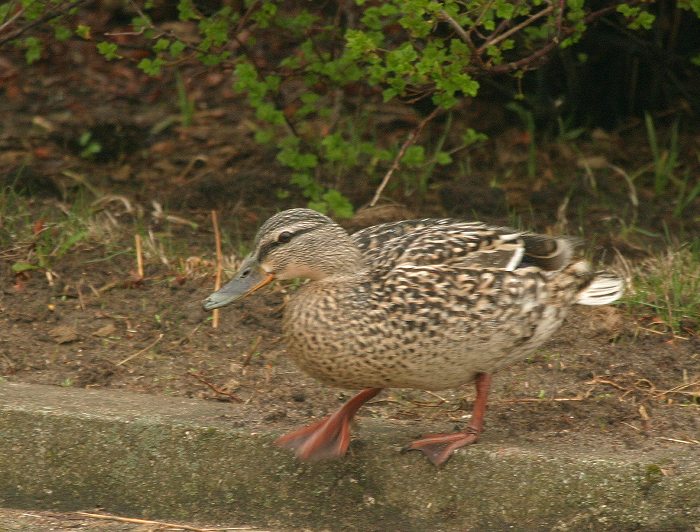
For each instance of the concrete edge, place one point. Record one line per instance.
(175, 458)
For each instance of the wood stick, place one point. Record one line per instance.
(154, 342)
(412, 137)
(219, 265)
(157, 523)
(251, 350)
(214, 388)
(139, 256)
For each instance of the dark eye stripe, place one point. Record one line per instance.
(269, 246)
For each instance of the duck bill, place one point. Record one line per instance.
(249, 278)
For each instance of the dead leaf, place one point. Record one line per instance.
(105, 330)
(594, 162)
(42, 152)
(123, 173)
(64, 334)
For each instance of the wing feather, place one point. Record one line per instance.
(458, 244)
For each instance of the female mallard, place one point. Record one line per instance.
(426, 304)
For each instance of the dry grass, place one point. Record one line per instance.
(665, 290)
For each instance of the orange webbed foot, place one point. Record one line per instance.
(439, 447)
(330, 437)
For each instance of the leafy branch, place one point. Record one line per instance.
(312, 98)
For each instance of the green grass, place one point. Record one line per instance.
(35, 236)
(666, 288)
(665, 160)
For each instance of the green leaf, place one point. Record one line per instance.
(414, 156)
(62, 33)
(690, 5)
(637, 18)
(5, 10)
(70, 242)
(108, 50)
(264, 136)
(83, 32)
(267, 112)
(471, 136)
(152, 67)
(19, 267)
(318, 206)
(176, 48)
(443, 158)
(32, 51)
(338, 204)
(84, 138)
(161, 45)
(360, 43)
(186, 10)
(335, 148)
(296, 160)
(389, 93)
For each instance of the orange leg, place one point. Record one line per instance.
(329, 437)
(439, 447)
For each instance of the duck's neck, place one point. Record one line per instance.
(339, 258)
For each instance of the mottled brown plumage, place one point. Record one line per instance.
(426, 304)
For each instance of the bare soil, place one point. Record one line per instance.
(96, 326)
(594, 376)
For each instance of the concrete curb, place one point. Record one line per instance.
(174, 458)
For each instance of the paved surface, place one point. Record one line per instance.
(182, 460)
(43, 521)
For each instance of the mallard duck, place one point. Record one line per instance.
(427, 304)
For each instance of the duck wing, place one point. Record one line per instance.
(456, 244)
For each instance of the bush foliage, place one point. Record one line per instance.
(315, 73)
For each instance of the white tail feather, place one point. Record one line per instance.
(604, 289)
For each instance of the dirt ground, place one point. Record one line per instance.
(596, 375)
(95, 326)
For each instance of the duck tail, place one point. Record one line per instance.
(603, 289)
(546, 252)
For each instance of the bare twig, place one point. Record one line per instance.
(159, 523)
(536, 56)
(130, 357)
(139, 256)
(219, 265)
(560, 17)
(645, 386)
(411, 139)
(104, 288)
(10, 20)
(459, 30)
(81, 298)
(41, 20)
(214, 388)
(246, 16)
(514, 29)
(580, 397)
(251, 351)
(676, 440)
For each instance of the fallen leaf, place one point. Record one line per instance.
(105, 330)
(594, 162)
(123, 173)
(64, 334)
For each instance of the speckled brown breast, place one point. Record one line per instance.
(425, 327)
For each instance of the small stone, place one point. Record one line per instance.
(276, 415)
(299, 396)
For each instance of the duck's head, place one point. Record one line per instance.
(294, 243)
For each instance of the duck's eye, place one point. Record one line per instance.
(284, 237)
